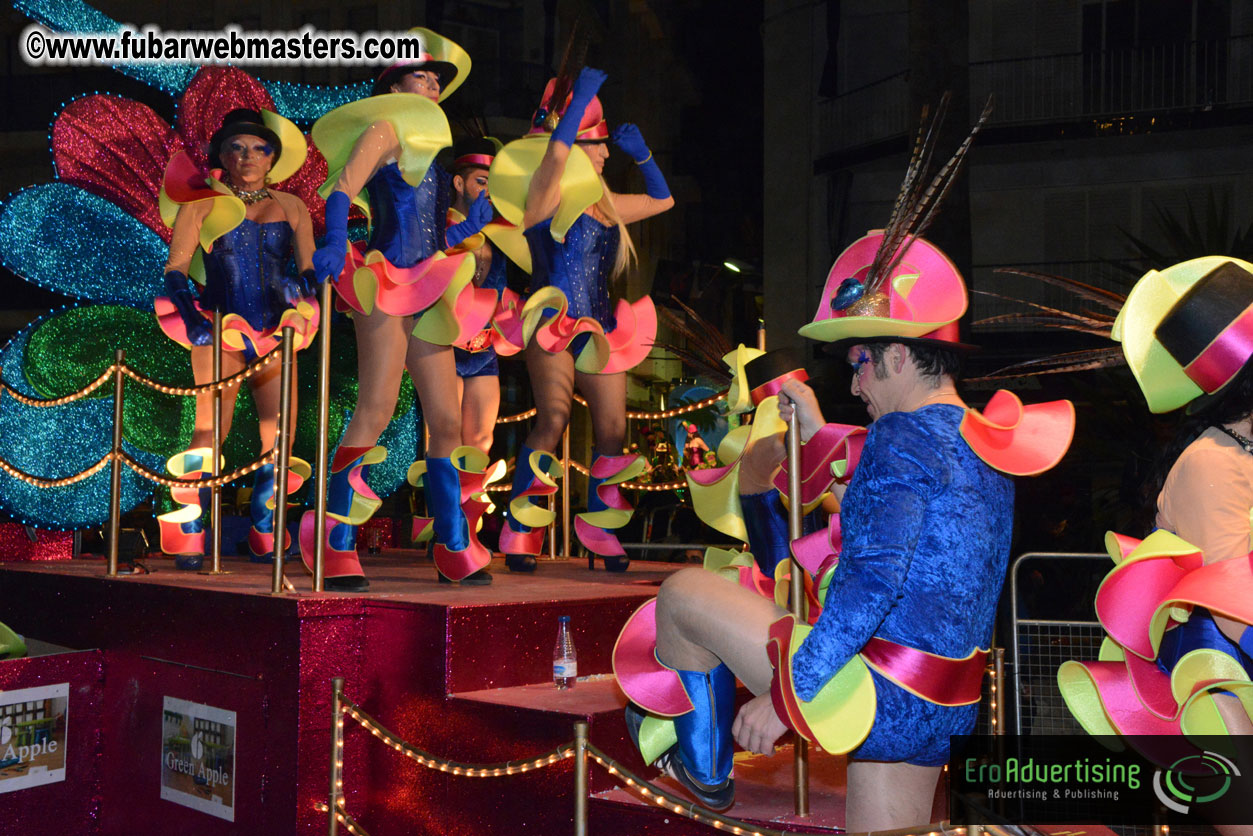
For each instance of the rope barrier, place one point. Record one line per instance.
(649, 791)
(142, 470)
(70, 398)
(212, 482)
(661, 415)
(671, 802)
(40, 482)
(470, 770)
(225, 383)
(341, 815)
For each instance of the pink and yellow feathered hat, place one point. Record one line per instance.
(915, 294)
(592, 127)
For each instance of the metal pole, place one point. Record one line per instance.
(565, 492)
(580, 778)
(800, 753)
(761, 335)
(324, 420)
(216, 466)
(337, 756)
(282, 445)
(998, 692)
(115, 468)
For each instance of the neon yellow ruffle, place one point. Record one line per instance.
(509, 180)
(419, 123)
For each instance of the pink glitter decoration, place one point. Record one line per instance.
(378, 533)
(48, 545)
(116, 149)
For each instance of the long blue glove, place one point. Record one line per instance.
(585, 87)
(292, 289)
(627, 137)
(178, 289)
(328, 259)
(479, 215)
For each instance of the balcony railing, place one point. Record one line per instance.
(1081, 86)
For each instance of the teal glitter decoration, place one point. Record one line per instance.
(65, 239)
(70, 349)
(299, 102)
(57, 442)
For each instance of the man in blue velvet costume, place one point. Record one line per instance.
(926, 522)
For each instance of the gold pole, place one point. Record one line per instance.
(282, 445)
(115, 469)
(761, 335)
(998, 697)
(565, 492)
(215, 467)
(320, 455)
(580, 778)
(337, 755)
(800, 754)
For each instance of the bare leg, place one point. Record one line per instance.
(381, 343)
(606, 398)
(480, 404)
(703, 619)
(887, 796)
(552, 385)
(202, 371)
(266, 391)
(434, 374)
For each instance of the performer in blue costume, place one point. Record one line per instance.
(242, 233)
(894, 661)
(471, 227)
(576, 228)
(409, 300)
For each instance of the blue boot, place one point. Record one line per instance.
(702, 759)
(520, 542)
(459, 556)
(349, 503)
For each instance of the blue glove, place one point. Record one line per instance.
(178, 289)
(627, 137)
(585, 87)
(1246, 642)
(480, 215)
(328, 259)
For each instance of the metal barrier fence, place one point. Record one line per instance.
(1039, 584)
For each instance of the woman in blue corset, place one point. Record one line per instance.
(409, 302)
(237, 234)
(576, 229)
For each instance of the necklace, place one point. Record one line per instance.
(1246, 443)
(247, 196)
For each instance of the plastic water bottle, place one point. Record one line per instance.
(565, 663)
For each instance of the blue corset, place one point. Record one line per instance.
(581, 267)
(404, 221)
(243, 274)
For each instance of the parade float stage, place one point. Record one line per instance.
(464, 673)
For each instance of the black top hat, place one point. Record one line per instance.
(767, 373)
(477, 151)
(1208, 330)
(444, 69)
(241, 121)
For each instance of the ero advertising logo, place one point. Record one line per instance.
(1194, 779)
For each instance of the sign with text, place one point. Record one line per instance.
(1075, 779)
(33, 727)
(198, 757)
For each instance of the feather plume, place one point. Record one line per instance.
(923, 210)
(705, 344)
(572, 58)
(1072, 361)
(1106, 298)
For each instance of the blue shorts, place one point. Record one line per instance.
(476, 363)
